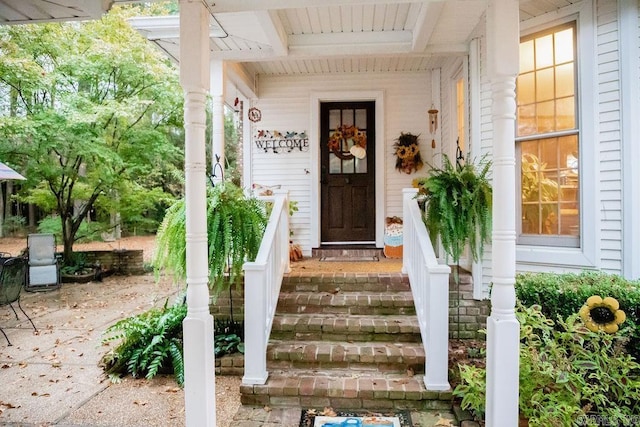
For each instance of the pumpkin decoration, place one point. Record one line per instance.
(407, 151)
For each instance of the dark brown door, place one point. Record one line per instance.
(347, 154)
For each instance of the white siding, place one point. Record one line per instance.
(610, 146)
(285, 105)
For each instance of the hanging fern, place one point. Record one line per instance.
(235, 226)
(459, 207)
(149, 343)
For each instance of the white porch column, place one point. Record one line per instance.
(503, 329)
(217, 119)
(199, 386)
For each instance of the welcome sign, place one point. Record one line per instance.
(281, 142)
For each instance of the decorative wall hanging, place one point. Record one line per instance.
(407, 152)
(279, 142)
(254, 114)
(348, 136)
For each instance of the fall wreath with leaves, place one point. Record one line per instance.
(346, 133)
(407, 151)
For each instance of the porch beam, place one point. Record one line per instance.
(248, 5)
(199, 367)
(503, 329)
(274, 30)
(328, 51)
(425, 25)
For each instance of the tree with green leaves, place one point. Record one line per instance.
(93, 114)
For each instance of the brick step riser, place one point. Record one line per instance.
(416, 366)
(365, 353)
(331, 286)
(346, 310)
(403, 392)
(344, 403)
(341, 337)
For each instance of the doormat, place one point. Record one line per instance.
(350, 259)
(316, 418)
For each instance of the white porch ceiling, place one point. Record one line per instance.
(280, 37)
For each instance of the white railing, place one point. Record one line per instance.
(262, 281)
(430, 288)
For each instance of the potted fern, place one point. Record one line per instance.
(235, 225)
(458, 209)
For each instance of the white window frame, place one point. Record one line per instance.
(583, 256)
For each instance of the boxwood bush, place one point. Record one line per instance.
(563, 295)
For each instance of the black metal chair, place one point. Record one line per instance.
(12, 280)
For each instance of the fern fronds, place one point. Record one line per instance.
(235, 226)
(458, 210)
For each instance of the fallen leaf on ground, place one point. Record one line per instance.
(328, 412)
(267, 408)
(444, 422)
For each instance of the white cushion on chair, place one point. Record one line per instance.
(43, 275)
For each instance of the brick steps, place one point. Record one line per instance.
(349, 341)
(365, 357)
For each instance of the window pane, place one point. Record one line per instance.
(361, 165)
(564, 80)
(334, 163)
(526, 86)
(545, 85)
(527, 120)
(565, 113)
(544, 51)
(526, 56)
(334, 119)
(564, 46)
(545, 115)
(347, 117)
(361, 119)
(348, 166)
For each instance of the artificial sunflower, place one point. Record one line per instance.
(407, 151)
(602, 314)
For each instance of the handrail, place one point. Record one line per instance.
(430, 288)
(262, 281)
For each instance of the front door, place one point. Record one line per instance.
(347, 139)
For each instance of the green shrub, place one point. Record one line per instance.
(566, 373)
(563, 295)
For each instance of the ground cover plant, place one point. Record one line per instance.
(567, 373)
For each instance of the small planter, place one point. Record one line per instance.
(80, 277)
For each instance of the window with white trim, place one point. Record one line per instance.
(547, 139)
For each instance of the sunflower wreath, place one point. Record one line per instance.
(346, 133)
(407, 153)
